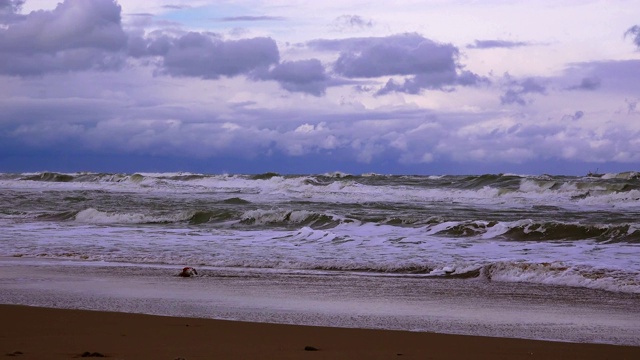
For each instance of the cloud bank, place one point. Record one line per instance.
(83, 80)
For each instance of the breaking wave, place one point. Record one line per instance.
(562, 274)
(286, 217)
(588, 190)
(233, 212)
(94, 216)
(528, 230)
(556, 273)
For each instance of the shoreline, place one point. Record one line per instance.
(466, 307)
(48, 333)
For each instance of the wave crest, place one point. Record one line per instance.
(286, 217)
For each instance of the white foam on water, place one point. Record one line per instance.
(558, 273)
(93, 216)
(377, 249)
(623, 175)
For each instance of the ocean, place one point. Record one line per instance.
(545, 256)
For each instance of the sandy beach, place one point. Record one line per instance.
(44, 333)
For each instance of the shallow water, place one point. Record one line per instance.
(346, 299)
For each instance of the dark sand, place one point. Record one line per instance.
(43, 333)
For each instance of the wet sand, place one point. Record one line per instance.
(45, 333)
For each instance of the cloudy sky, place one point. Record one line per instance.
(291, 86)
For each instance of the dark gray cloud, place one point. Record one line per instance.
(355, 21)
(9, 10)
(306, 76)
(395, 55)
(516, 90)
(587, 83)
(620, 76)
(351, 23)
(575, 116)
(76, 35)
(491, 44)
(252, 18)
(634, 32)
(11, 5)
(206, 55)
(429, 64)
(432, 81)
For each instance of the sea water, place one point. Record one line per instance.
(554, 257)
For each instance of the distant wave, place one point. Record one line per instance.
(48, 176)
(503, 183)
(282, 218)
(265, 176)
(82, 177)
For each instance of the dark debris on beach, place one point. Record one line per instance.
(91, 354)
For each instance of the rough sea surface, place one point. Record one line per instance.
(504, 251)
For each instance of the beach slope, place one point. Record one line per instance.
(45, 333)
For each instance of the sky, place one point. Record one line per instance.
(295, 87)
